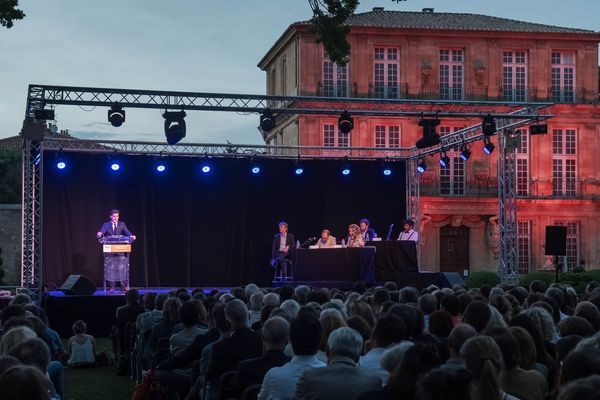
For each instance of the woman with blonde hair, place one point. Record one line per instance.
(355, 239)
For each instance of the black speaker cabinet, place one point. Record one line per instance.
(78, 285)
(556, 241)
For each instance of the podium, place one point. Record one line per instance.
(116, 250)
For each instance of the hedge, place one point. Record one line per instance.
(482, 278)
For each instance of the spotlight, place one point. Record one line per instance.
(206, 169)
(538, 129)
(465, 153)
(387, 171)
(299, 170)
(116, 115)
(488, 125)
(430, 136)
(115, 166)
(46, 114)
(387, 168)
(61, 165)
(488, 146)
(255, 170)
(267, 120)
(160, 167)
(444, 159)
(345, 122)
(174, 126)
(421, 166)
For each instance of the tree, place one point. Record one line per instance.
(9, 12)
(10, 177)
(328, 26)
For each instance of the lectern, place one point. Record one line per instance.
(116, 250)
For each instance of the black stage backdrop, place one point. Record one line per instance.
(198, 229)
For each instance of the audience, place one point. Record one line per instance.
(81, 347)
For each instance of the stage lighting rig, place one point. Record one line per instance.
(465, 153)
(345, 123)
(430, 136)
(488, 146)
(488, 126)
(421, 166)
(116, 115)
(267, 120)
(444, 159)
(174, 126)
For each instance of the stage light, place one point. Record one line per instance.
(174, 126)
(488, 125)
(256, 169)
(61, 165)
(46, 114)
(421, 166)
(299, 170)
(430, 136)
(465, 153)
(116, 115)
(206, 168)
(160, 168)
(115, 166)
(444, 159)
(267, 120)
(387, 171)
(488, 146)
(345, 122)
(386, 168)
(346, 171)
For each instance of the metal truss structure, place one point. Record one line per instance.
(510, 115)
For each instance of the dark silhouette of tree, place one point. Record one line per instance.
(9, 12)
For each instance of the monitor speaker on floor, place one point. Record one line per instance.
(449, 279)
(78, 285)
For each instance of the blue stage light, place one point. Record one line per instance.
(299, 170)
(255, 170)
(115, 166)
(206, 169)
(346, 171)
(161, 168)
(61, 165)
(387, 171)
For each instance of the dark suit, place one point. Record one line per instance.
(107, 229)
(369, 234)
(341, 379)
(252, 372)
(243, 344)
(278, 257)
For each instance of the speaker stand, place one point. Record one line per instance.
(556, 268)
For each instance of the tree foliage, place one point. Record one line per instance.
(328, 26)
(10, 177)
(9, 12)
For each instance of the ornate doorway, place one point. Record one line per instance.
(454, 249)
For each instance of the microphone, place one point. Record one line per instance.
(389, 232)
(307, 241)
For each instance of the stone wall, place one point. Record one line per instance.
(10, 242)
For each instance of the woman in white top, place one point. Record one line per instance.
(81, 347)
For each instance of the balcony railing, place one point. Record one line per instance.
(394, 91)
(485, 187)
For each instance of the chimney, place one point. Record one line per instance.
(378, 8)
(427, 10)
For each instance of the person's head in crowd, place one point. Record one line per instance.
(575, 326)
(359, 287)
(571, 297)
(23, 382)
(580, 389)
(132, 296)
(458, 336)
(546, 305)
(520, 294)
(380, 296)
(33, 352)
(18, 321)
(344, 342)
(250, 289)
(360, 325)
(170, 310)
(581, 363)
(79, 327)
(265, 312)
(271, 299)
(537, 286)
(392, 357)
(502, 304)
(526, 347)
(218, 319)
(159, 301)
(14, 337)
(256, 301)
(307, 310)
(592, 341)
(391, 286)
(417, 361)
(389, 329)
(556, 293)
(10, 312)
(239, 293)
(450, 304)
(236, 313)
(338, 297)
(444, 384)
(483, 359)
(484, 291)
(149, 300)
(590, 312)
(20, 299)
(305, 335)
(301, 293)
(428, 303)
(280, 312)
(188, 314)
(318, 296)
(554, 308)
(565, 345)
(495, 291)
(508, 346)
(335, 304)
(363, 309)
(330, 320)
(440, 323)
(184, 296)
(226, 297)
(409, 295)
(200, 310)
(286, 292)
(7, 362)
(409, 315)
(291, 307)
(514, 304)
(477, 314)
(524, 321)
(275, 333)
(542, 320)
(496, 319)
(463, 301)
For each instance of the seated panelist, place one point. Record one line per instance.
(326, 239)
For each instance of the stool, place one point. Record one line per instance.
(287, 265)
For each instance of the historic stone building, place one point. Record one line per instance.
(449, 56)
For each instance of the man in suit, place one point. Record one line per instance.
(366, 231)
(341, 378)
(283, 249)
(116, 266)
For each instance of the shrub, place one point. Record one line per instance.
(547, 277)
(482, 278)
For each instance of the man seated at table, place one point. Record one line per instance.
(366, 231)
(326, 239)
(409, 234)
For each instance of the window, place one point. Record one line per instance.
(335, 78)
(333, 138)
(572, 242)
(524, 246)
(522, 163)
(283, 76)
(387, 136)
(563, 77)
(564, 159)
(514, 75)
(452, 178)
(386, 67)
(451, 74)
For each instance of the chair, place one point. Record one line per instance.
(225, 387)
(289, 272)
(251, 392)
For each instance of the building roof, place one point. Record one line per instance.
(381, 18)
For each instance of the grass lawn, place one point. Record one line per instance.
(100, 383)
